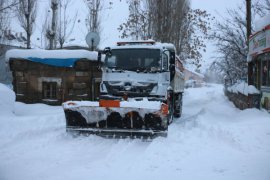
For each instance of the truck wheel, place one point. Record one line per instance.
(171, 113)
(178, 105)
(181, 104)
(170, 118)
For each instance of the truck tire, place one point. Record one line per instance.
(171, 112)
(181, 104)
(178, 105)
(170, 118)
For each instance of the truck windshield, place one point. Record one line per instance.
(134, 59)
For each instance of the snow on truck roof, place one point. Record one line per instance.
(148, 44)
(60, 58)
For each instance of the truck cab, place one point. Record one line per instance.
(140, 92)
(142, 69)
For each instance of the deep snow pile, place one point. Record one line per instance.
(212, 140)
(7, 100)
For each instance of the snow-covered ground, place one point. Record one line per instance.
(211, 141)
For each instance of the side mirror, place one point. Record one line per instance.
(107, 51)
(172, 71)
(99, 56)
(165, 59)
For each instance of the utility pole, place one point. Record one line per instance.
(248, 18)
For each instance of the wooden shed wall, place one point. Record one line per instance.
(80, 82)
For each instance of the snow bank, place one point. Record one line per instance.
(261, 23)
(212, 140)
(7, 100)
(47, 54)
(243, 88)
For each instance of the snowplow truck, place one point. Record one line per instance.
(140, 92)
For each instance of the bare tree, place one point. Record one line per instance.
(174, 21)
(167, 16)
(7, 4)
(4, 18)
(261, 7)
(45, 28)
(194, 30)
(65, 23)
(159, 19)
(26, 13)
(231, 42)
(138, 24)
(51, 28)
(93, 16)
(169, 21)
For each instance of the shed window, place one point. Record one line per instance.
(49, 90)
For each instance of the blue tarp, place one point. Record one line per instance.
(67, 62)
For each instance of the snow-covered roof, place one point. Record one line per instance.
(60, 58)
(198, 74)
(262, 23)
(169, 46)
(76, 42)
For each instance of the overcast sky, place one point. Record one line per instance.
(119, 13)
(216, 8)
(113, 17)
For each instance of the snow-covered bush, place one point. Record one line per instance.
(243, 88)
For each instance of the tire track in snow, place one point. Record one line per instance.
(191, 120)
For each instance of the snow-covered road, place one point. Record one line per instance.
(211, 141)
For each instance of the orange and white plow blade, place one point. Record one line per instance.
(112, 117)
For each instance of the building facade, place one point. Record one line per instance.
(259, 58)
(193, 79)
